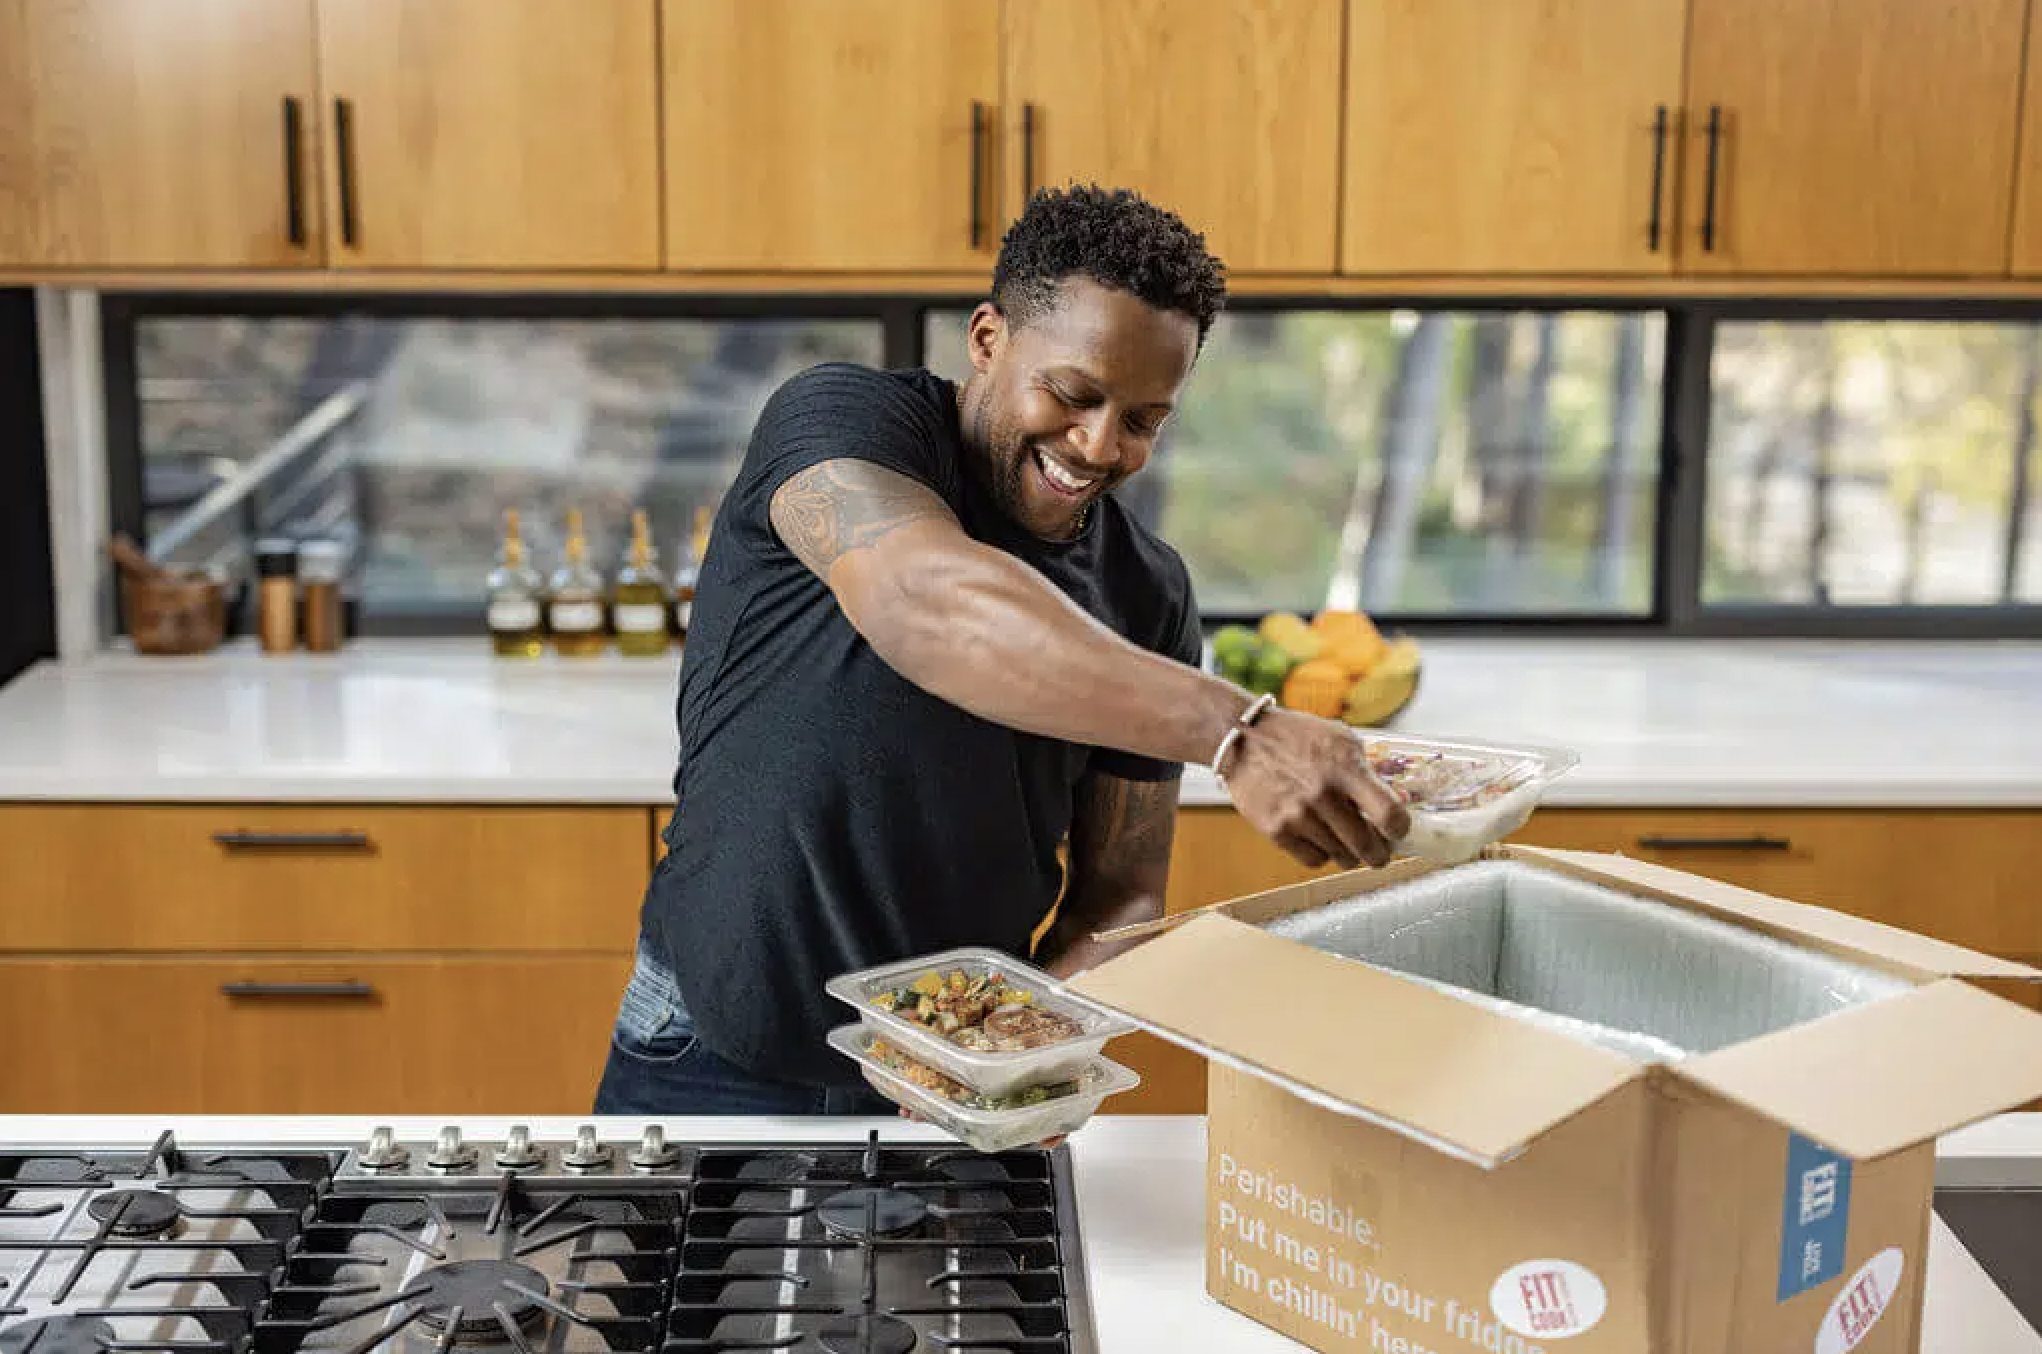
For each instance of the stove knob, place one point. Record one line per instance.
(653, 1154)
(516, 1154)
(587, 1154)
(384, 1153)
(450, 1153)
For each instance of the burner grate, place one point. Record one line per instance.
(880, 1252)
(518, 1264)
(138, 1253)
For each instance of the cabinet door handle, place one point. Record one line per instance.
(978, 171)
(1027, 152)
(1652, 227)
(349, 991)
(1715, 135)
(1750, 843)
(344, 148)
(294, 170)
(292, 841)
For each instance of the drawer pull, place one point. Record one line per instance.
(1752, 843)
(293, 841)
(352, 991)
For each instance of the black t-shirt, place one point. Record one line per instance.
(832, 815)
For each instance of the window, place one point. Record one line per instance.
(1873, 463)
(447, 423)
(1434, 463)
(1845, 467)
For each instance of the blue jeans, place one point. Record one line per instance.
(659, 1068)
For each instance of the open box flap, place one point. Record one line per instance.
(1876, 1078)
(1357, 1039)
(1836, 933)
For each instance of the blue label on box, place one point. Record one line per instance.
(1814, 1216)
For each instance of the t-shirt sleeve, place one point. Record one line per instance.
(837, 412)
(1179, 637)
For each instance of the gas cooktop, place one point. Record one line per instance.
(528, 1247)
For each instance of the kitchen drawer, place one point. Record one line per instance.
(1965, 876)
(524, 1035)
(247, 877)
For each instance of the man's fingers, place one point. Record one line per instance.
(1311, 826)
(1356, 834)
(1376, 801)
(1300, 850)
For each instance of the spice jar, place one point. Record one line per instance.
(321, 564)
(276, 598)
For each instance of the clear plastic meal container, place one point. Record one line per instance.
(1463, 796)
(987, 1073)
(989, 1130)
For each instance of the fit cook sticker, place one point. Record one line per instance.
(1551, 1299)
(1815, 1218)
(1863, 1301)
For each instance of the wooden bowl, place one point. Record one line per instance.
(185, 614)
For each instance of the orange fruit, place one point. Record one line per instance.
(1336, 624)
(1357, 654)
(1318, 687)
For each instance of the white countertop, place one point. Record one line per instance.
(1657, 722)
(1141, 1202)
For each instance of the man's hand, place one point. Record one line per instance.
(1304, 783)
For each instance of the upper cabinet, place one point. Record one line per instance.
(1225, 111)
(831, 134)
(491, 133)
(1864, 137)
(1554, 139)
(140, 133)
(1508, 136)
(2027, 260)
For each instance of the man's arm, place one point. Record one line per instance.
(1119, 867)
(984, 631)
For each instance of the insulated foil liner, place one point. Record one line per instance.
(1631, 974)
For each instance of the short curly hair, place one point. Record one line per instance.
(1117, 238)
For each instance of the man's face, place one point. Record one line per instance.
(1067, 406)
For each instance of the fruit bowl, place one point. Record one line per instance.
(1336, 665)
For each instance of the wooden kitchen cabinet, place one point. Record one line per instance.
(2027, 239)
(245, 878)
(1961, 875)
(145, 134)
(393, 1035)
(1864, 137)
(491, 133)
(1512, 137)
(1225, 111)
(831, 134)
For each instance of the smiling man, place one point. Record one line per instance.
(928, 647)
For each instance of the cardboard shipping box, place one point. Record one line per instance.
(1393, 1169)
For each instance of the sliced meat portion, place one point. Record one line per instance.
(1012, 1029)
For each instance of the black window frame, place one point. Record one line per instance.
(1675, 611)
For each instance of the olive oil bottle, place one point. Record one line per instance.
(515, 593)
(639, 601)
(574, 602)
(690, 574)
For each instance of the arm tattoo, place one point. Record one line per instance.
(1121, 834)
(838, 506)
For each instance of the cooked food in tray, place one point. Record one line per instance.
(983, 1012)
(929, 1079)
(1444, 780)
